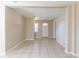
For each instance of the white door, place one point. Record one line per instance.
(45, 30)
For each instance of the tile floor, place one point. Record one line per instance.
(39, 48)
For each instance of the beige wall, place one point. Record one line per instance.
(72, 24)
(72, 28)
(54, 30)
(29, 28)
(77, 29)
(50, 29)
(14, 28)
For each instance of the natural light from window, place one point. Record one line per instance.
(36, 27)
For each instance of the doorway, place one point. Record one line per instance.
(44, 29)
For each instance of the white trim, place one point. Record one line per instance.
(71, 53)
(15, 46)
(2, 29)
(66, 51)
(75, 55)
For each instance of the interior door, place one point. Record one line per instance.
(45, 30)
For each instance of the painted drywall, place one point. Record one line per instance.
(77, 29)
(50, 29)
(14, 28)
(29, 28)
(54, 30)
(68, 28)
(73, 29)
(2, 30)
(69, 25)
(60, 29)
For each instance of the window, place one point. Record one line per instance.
(36, 27)
(45, 24)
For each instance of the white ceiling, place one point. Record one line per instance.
(45, 10)
(43, 13)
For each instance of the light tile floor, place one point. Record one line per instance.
(39, 48)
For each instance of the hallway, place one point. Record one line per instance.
(22, 22)
(41, 48)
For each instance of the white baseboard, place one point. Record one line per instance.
(77, 55)
(67, 52)
(60, 43)
(74, 54)
(29, 39)
(71, 53)
(15, 46)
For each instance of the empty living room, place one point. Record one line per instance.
(39, 29)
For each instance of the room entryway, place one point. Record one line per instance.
(45, 30)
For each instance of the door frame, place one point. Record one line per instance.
(42, 28)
